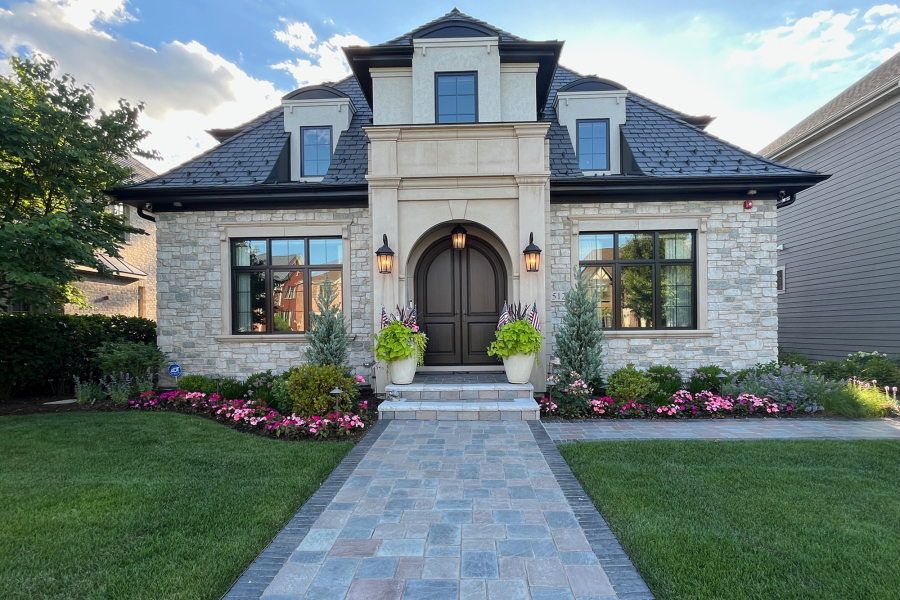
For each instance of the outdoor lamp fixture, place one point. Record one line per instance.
(532, 255)
(459, 237)
(385, 258)
(336, 392)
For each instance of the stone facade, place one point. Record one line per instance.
(739, 326)
(193, 274)
(125, 295)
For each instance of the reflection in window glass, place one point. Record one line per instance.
(288, 252)
(250, 301)
(637, 296)
(287, 296)
(595, 246)
(600, 281)
(316, 151)
(326, 251)
(456, 98)
(249, 253)
(677, 296)
(635, 246)
(316, 278)
(593, 145)
(676, 246)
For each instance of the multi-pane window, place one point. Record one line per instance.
(642, 280)
(276, 281)
(593, 144)
(455, 97)
(316, 150)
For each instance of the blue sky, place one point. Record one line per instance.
(758, 67)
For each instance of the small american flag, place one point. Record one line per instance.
(384, 318)
(504, 318)
(534, 319)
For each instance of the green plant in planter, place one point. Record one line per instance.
(519, 337)
(397, 341)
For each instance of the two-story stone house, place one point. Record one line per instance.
(461, 127)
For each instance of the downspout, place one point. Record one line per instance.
(141, 214)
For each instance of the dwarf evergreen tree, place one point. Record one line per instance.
(580, 336)
(327, 335)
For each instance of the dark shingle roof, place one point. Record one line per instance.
(886, 75)
(141, 171)
(453, 15)
(663, 141)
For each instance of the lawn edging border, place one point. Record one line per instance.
(256, 578)
(623, 575)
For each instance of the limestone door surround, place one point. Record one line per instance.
(424, 179)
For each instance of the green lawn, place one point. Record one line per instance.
(767, 519)
(142, 505)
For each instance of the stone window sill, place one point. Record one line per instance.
(275, 338)
(659, 334)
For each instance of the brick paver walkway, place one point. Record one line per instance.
(446, 510)
(749, 429)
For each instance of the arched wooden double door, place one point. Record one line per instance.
(459, 294)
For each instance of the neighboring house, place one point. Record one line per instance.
(455, 126)
(131, 290)
(839, 242)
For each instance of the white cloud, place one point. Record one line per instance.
(885, 17)
(326, 60)
(187, 89)
(803, 44)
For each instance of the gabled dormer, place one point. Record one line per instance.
(315, 116)
(593, 111)
(455, 70)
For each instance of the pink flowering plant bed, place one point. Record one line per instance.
(256, 416)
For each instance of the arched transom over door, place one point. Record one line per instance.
(459, 294)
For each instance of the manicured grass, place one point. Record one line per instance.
(142, 505)
(767, 519)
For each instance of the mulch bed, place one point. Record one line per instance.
(37, 405)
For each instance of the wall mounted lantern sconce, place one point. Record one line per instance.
(385, 258)
(532, 255)
(459, 237)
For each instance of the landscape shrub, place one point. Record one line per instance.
(792, 385)
(88, 391)
(260, 386)
(129, 357)
(706, 378)
(786, 357)
(328, 337)
(833, 370)
(668, 381)
(310, 389)
(629, 384)
(572, 395)
(197, 383)
(579, 338)
(44, 352)
(232, 387)
(281, 396)
(859, 399)
(119, 387)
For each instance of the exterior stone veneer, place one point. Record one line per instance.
(190, 291)
(741, 299)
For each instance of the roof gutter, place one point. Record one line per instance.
(241, 197)
(647, 189)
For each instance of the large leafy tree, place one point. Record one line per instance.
(57, 157)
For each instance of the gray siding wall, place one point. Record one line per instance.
(842, 246)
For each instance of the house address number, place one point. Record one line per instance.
(557, 296)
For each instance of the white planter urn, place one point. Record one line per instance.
(518, 367)
(404, 370)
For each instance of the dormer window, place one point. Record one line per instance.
(593, 144)
(316, 150)
(455, 97)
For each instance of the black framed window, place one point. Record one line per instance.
(593, 144)
(275, 281)
(456, 97)
(643, 280)
(316, 150)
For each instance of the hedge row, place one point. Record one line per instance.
(42, 353)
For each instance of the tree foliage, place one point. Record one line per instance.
(57, 157)
(327, 336)
(579, 337)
